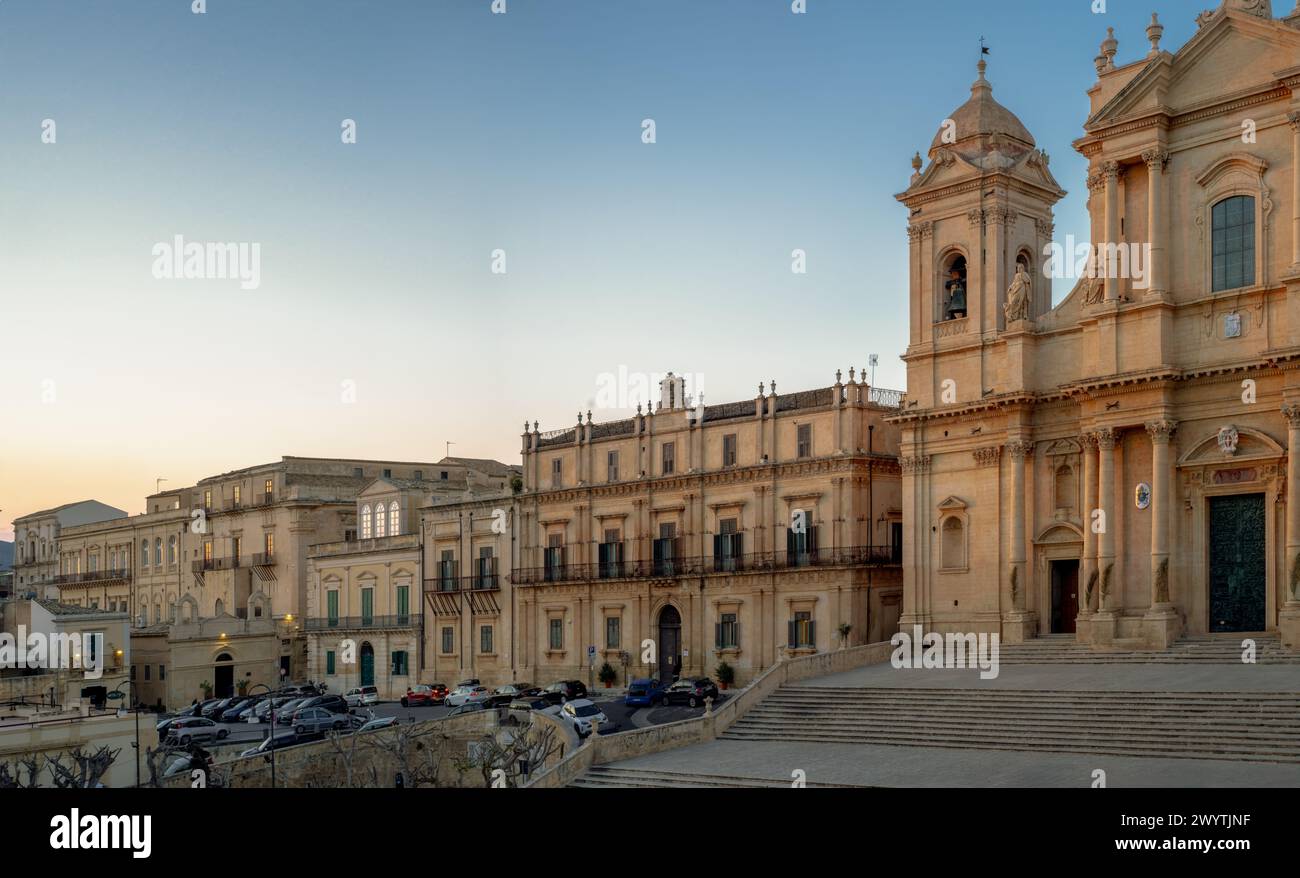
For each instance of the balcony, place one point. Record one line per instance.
(92, 576)
(264, 559)
(265, 499)
(216, 564)
(676, 567)
(341, 623)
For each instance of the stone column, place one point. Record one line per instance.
(1019, 624)
(1088, 565)
(1161, 433)
(1104, 622)
(1111, 173)
(1289, 615)
(1155, 160)
(1294, 119)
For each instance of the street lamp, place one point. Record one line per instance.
(117, 689)
(270, 695)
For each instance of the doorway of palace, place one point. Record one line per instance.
(670, 642)
(1237, 563)
(367, 664)
(223, 678)
(1065, 595)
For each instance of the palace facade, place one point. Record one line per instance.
(1126, 465)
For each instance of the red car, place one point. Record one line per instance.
(428, 695)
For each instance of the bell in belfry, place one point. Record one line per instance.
(956, 288)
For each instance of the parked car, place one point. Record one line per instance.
(466, 694)
(644, 692)
(565, 690)
(440, 692)
(284, 714)
(521, 709)
(382, 722)
(503, 695)
(691, 691)
(215, 706)
(332, 703)
(246, 710)
(229, 713)
(179, 765)
(279, 703)
(420, 694)
(272, 742)
(467, 707)
(475, 681)
(318, 719)
(362, 695)
(195, 728)
(582, 712)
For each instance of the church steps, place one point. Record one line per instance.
(610, 777)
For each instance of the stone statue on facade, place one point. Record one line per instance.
(956, 288)
(1017, 306)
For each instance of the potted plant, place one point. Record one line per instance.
(242, 687)
(207, 689)
(726, 675)
(516, 484)
(844, 630)
(607, 674)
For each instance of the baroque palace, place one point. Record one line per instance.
(1123, 466)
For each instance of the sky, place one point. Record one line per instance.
(381, 325)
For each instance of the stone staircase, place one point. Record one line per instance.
(1251, 727)
(611, 776)
(1062, 649)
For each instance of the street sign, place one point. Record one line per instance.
(591, 652)
(114, 696)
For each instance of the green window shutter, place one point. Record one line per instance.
(329, 662)
(403, 600)
(332, 604)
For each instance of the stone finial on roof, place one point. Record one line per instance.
(839, 376)
(760, 388)
(773, 385)
(1154, 31)
(1109, 48)
(917, 164)
(852, 372)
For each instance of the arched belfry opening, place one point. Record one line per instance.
(954, 287)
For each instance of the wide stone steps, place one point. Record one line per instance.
(1063, 649)
(611, 777)
(1263, 727)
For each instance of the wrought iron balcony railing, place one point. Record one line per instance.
(408, 620)
(668, 568)
(92, 576)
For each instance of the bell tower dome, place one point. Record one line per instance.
(980, 222)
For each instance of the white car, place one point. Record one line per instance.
(582, 712)
(468, 695)
(362, 695)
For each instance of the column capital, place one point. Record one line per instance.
(1088, 441)
(987, 456)
(1112, 171)
(917, 464)
(975, 217)
(1107, 438)
(1020, 449)
(1292, 415)
(1161, 431)
(1294, 119)
(1155, 158)
(920, 231)
(1096, 182)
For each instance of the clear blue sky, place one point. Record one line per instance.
(475, 132)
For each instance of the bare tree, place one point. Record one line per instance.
(529, 744)
(12, 779)
(414, 749)
(86, 770)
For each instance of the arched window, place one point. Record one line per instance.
(394, 520)
(157, 612)
(380, 518)
(221, 607)
(144, 553)
(1233, 225)
(954, 297)
(171, 551)
(954, 543)
(365, 522)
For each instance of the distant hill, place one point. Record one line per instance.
(6, 556)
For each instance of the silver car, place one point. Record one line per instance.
(318, 719)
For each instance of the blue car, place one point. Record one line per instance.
(644, 693)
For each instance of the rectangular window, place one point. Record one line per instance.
(669, 463)
(610, 555)
(447, 571)
(419, 475)
(238, 495)
(728, 546)
(727, 635)
(613, 634)
(485, 639)
(403, 604)
(268, 545)
(235, 543)
(801, 541)
(1233, 223)
(388, 474)
(611, 466)
(805, 441)
(400, 663)
(557, 634)
(729, 449)
(485, 568)
(448, 639)
(329, 662)
(557, 473)
(367, 606)
(207, 551)
(268, 488)
(357, 472)
(133, 672)
(146, 671)
(554, 558)
(207, 499)
(802, 633)
(665, 550)
(162, 672)
(332, 607)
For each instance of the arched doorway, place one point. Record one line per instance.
(223, 678)
(367, 664)
(670, 643)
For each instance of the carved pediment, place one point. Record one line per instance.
(953, 504)
(1232, 443)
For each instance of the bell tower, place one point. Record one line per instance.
(980, 222)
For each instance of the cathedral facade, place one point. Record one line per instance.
(1124, 466)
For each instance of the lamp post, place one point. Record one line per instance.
(118, 688)
(270, 695)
